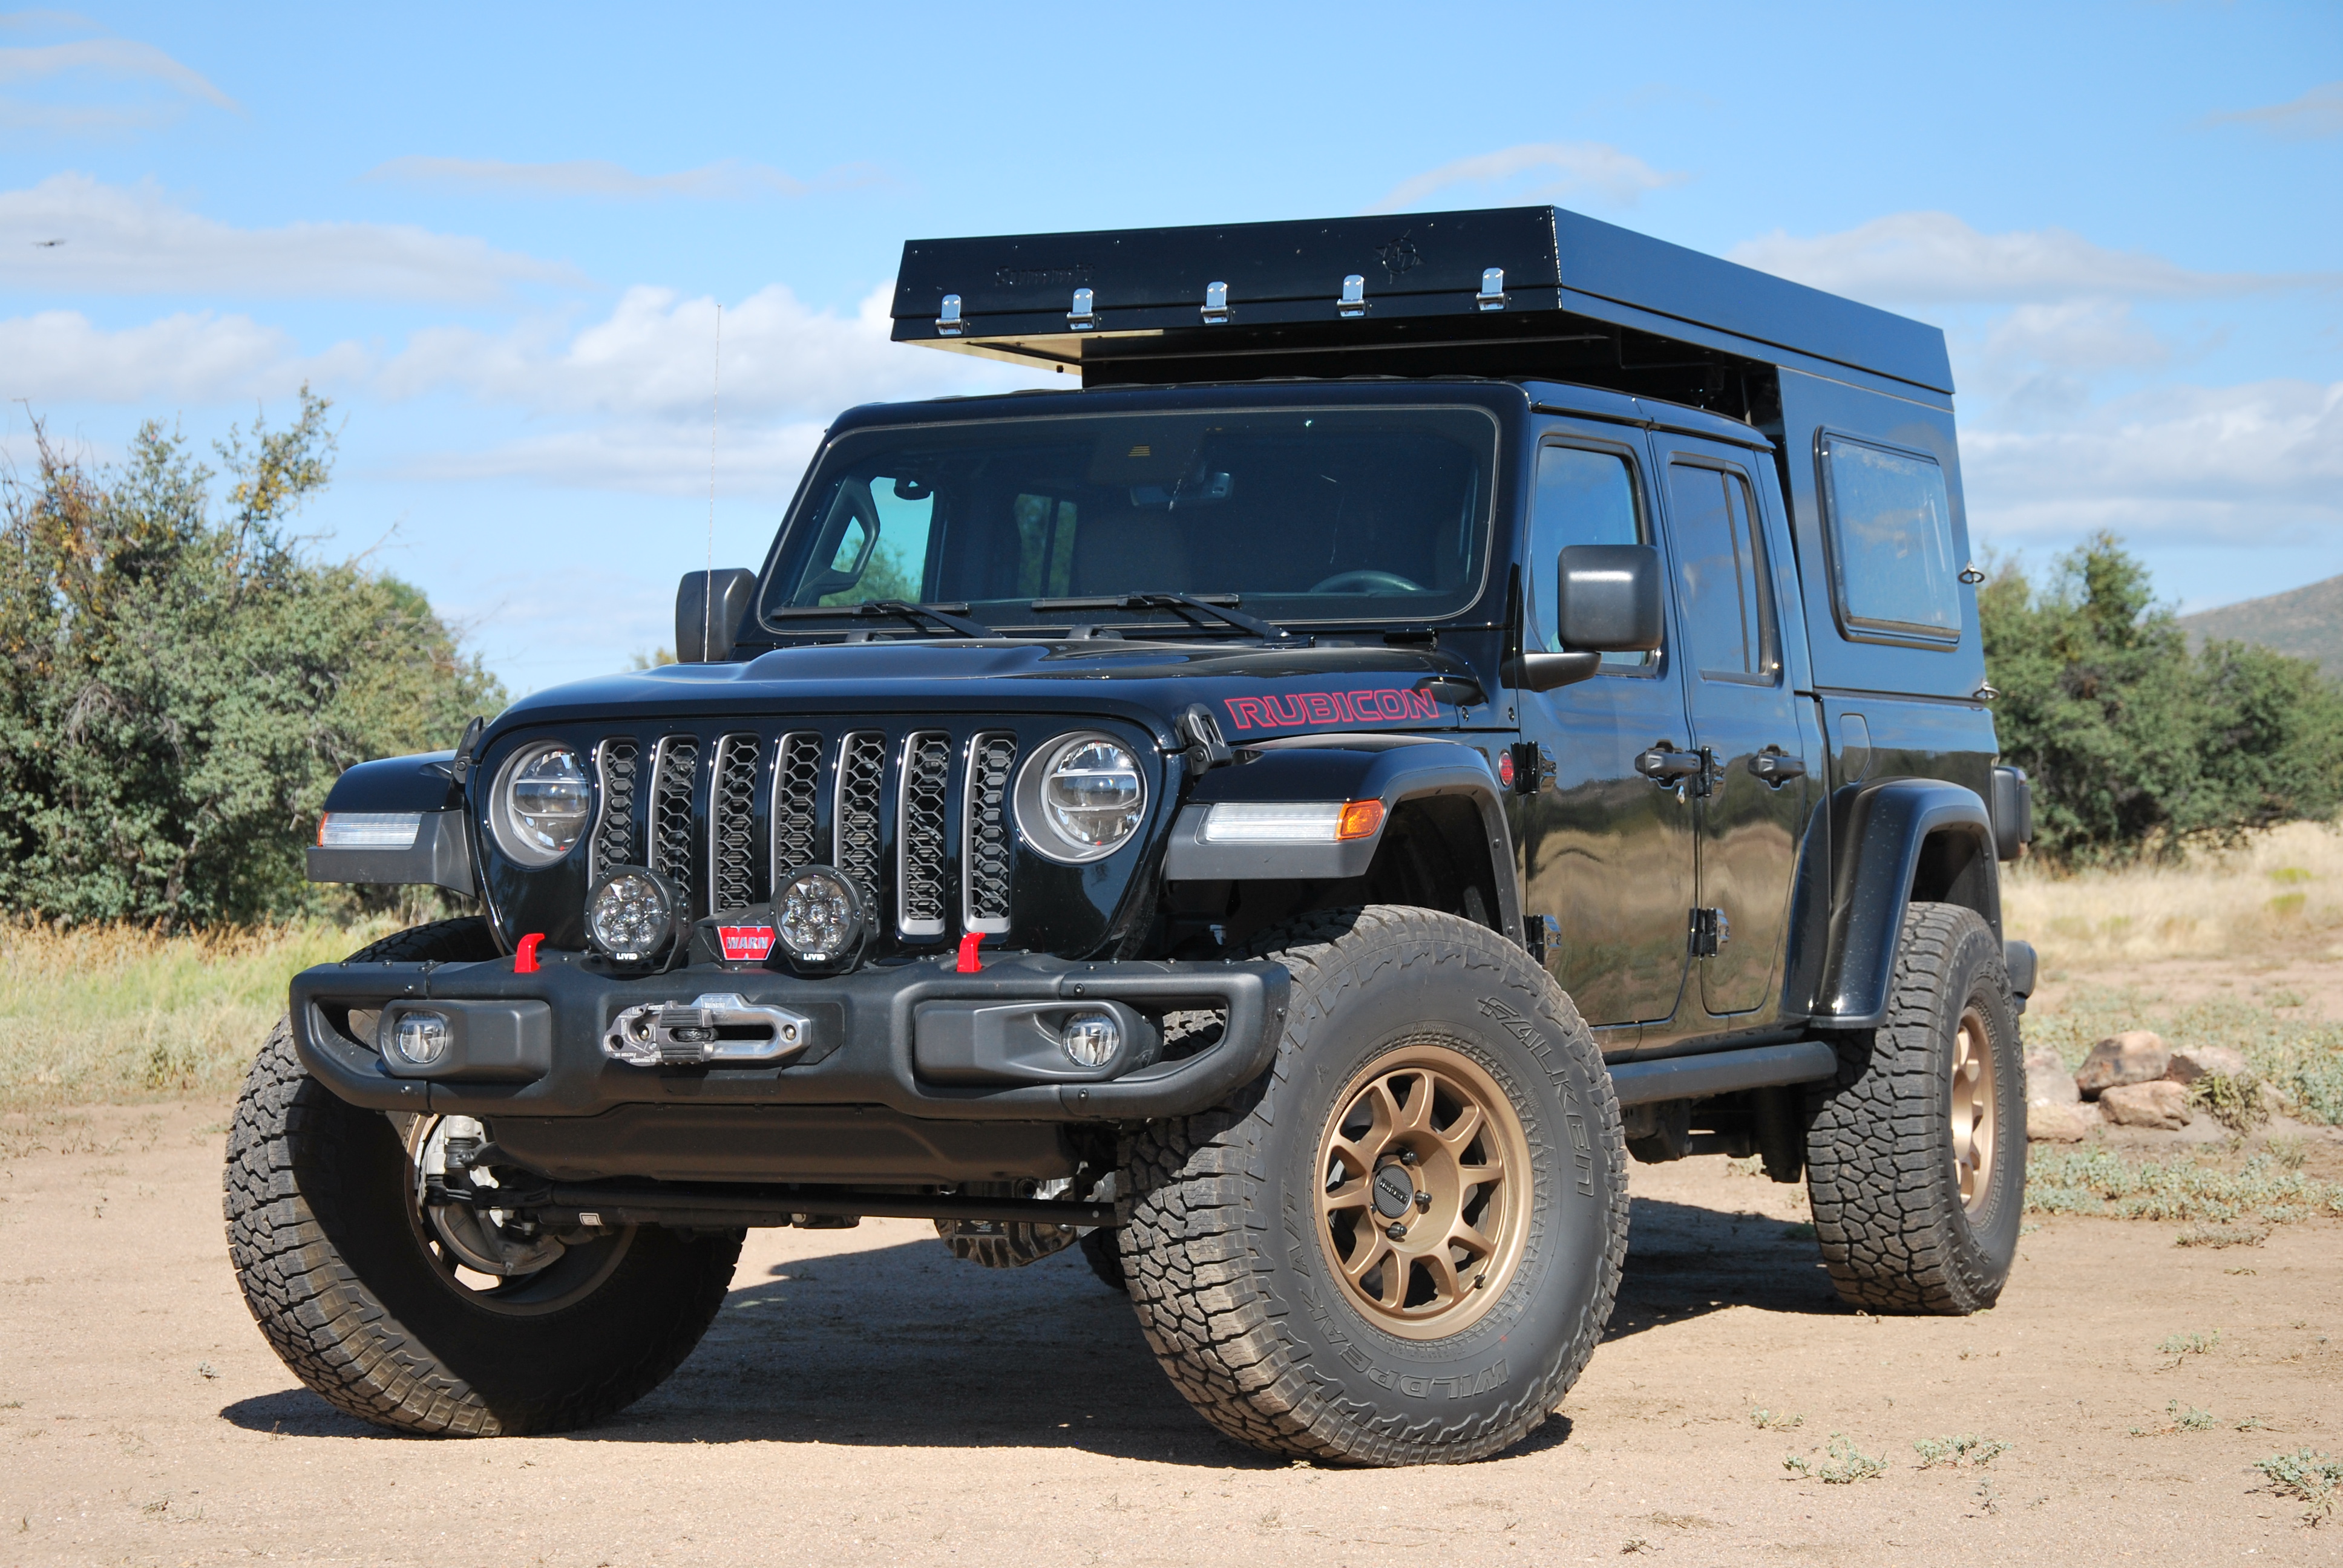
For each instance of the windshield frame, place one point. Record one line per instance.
(1503, 404)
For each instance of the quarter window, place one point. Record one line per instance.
(1719, 552)
(1891, 527)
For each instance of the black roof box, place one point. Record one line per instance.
(1512, 291)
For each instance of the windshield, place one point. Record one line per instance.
(1299, 515)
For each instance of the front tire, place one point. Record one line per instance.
(1297, 1297)
(347, 1279)
(1915, 1153)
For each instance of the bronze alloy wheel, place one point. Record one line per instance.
(1424, 1198)
(1974, 1122)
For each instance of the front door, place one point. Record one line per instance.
(1604, 852)
(1743, 717)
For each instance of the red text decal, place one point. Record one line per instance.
(1295, 709)
(745, 944)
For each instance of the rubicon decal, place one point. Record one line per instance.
(745, 944)
(1290, 709)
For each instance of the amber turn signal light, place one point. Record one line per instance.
(1360, 820)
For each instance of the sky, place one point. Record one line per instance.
(499, 238)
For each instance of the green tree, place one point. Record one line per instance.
(178, 690)
(2133, 743)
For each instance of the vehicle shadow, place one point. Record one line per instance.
(1684, 1262)
(906, 1346)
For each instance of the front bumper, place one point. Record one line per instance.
(543, 1037)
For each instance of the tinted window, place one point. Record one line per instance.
(1891, 541)
(1721, 569)
(1583, 498)
(1303, 513)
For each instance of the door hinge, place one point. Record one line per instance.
(1525, 768)
(1711, 929)
(1544, 934)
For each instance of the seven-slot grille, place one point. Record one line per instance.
(878, 808)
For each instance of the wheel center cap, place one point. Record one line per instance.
(1394, 1192)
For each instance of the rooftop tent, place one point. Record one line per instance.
(1509, 292)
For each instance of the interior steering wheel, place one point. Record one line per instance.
(1369, 582)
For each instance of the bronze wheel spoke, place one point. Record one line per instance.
(1396, 1191)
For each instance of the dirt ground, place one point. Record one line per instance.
(864, 1398)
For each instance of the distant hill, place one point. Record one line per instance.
(2307, 623)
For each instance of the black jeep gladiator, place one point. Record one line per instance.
(1448, 703)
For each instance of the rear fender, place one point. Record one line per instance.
(1393, 769)
(1897, 840)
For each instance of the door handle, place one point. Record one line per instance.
(1665, 766)
(1776, 769)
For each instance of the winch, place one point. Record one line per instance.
(718, 1026)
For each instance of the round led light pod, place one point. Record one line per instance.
(819, 920)
(630, 915)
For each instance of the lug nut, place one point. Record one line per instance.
(1395, 1230)
(1423, 1200)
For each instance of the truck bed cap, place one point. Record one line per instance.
(1569, 288)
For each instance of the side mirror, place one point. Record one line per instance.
(708, 609)
(1609, 600)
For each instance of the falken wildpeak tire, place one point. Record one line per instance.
(336, 1275)
(1229, 1257)
(1882, 1173)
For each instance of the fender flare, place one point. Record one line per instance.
(1391, 768)
(1881, 832)
(423, 784)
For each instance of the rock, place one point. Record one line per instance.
(2047, 1082)
(2191, 1062)
(2161, 1104)
(2049, 1123)
(2135, 1056)
(2272, 1101)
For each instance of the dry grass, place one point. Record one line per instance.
(121, 1013)
(2283, 886)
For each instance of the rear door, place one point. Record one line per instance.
(1748, 816)
(1606, 853)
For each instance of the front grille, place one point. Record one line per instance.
(984, 859)
(890, 808)
(614, 834)
(733, 824)
(672, 777)
(862, 791)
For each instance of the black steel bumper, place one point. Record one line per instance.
(531, 1045)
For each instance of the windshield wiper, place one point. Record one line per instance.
(949, 617)
(1196, 607)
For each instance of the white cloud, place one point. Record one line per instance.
(2318, 113)
(2238, 465)
(1934, 257)
(727, 178)
(654, 354)
(65, 70)
(2082, 336)
(58, 357)
(112, 240)
(1551, 171)
(641, 380)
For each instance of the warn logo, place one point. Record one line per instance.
(745, 944)
(1293, 709)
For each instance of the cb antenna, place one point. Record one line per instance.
(715, 404)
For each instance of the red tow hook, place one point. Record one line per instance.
(969, 962)
(524, 958)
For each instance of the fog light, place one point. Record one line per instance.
(1091, 1038)
(420, 1038)
(818, 921)
(630, 915)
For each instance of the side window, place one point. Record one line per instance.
(1583, 497)
(874, 543)
(1891, 535)
(1728, 607)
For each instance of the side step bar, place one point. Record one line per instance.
(1723, 1071)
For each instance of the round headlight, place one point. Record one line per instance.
(541, 804)
(1081, 799)
(630, 915)
(818, 919)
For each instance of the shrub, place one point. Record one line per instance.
(178, 690)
